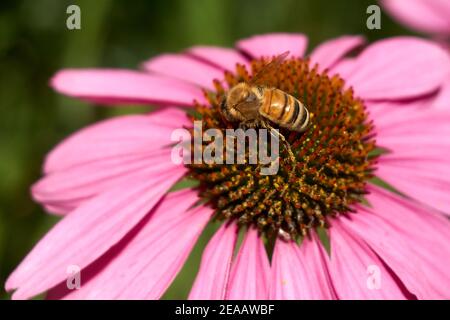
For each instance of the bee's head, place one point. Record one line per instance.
(239, 95)
(224, 109)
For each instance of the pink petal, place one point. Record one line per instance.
(87, 276)
(185, 68)
(354, 266)
(412, 216)
(273, 44)
(212, 277)
(150, 261)
(116, 138)
(442, 100)
(109, 86)
(343, 68)
(300, 273)
(249, 277)
(395, 120)
(398, 253)
(425, 232)
(91, 272)
(224, 58)
(65, 190)
(330, 52)
(388, 114)
(429, 16)
(401, 67)
(88, 232)
(419, 148)
(425, 182)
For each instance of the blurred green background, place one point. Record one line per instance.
(34, 43)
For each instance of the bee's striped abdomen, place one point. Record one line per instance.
(284, 109)
(301, 121)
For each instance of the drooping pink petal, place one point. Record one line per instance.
(87, 233)
(328, 53)
(357, 273)
(65, 190)
(411, 215)
(418, 144)
(425, 232)
(214, 272)
(186, 68)
(398, 253)
(300, 272)
(273, 44)
(426, 181)
(65, 289)
(88, 275)
(116, 138)
(150, 260)
(224, 58)
(249, 277)
(430, 16)
(115, 86)
(397, 68)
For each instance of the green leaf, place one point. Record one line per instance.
(184, 184)
(378, 152)
(383, 184)
(365, 202)
(324, 239)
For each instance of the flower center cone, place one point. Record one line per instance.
(334, 157)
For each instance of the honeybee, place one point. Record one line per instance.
(252, 104)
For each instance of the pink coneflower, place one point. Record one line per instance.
(372, 115)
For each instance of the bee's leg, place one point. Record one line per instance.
(243, 125)
(287, 146)
(251, 124)
(248, 124)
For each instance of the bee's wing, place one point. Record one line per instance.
(258, 78)
(249, 108)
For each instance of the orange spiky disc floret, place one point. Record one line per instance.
(332, 155)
